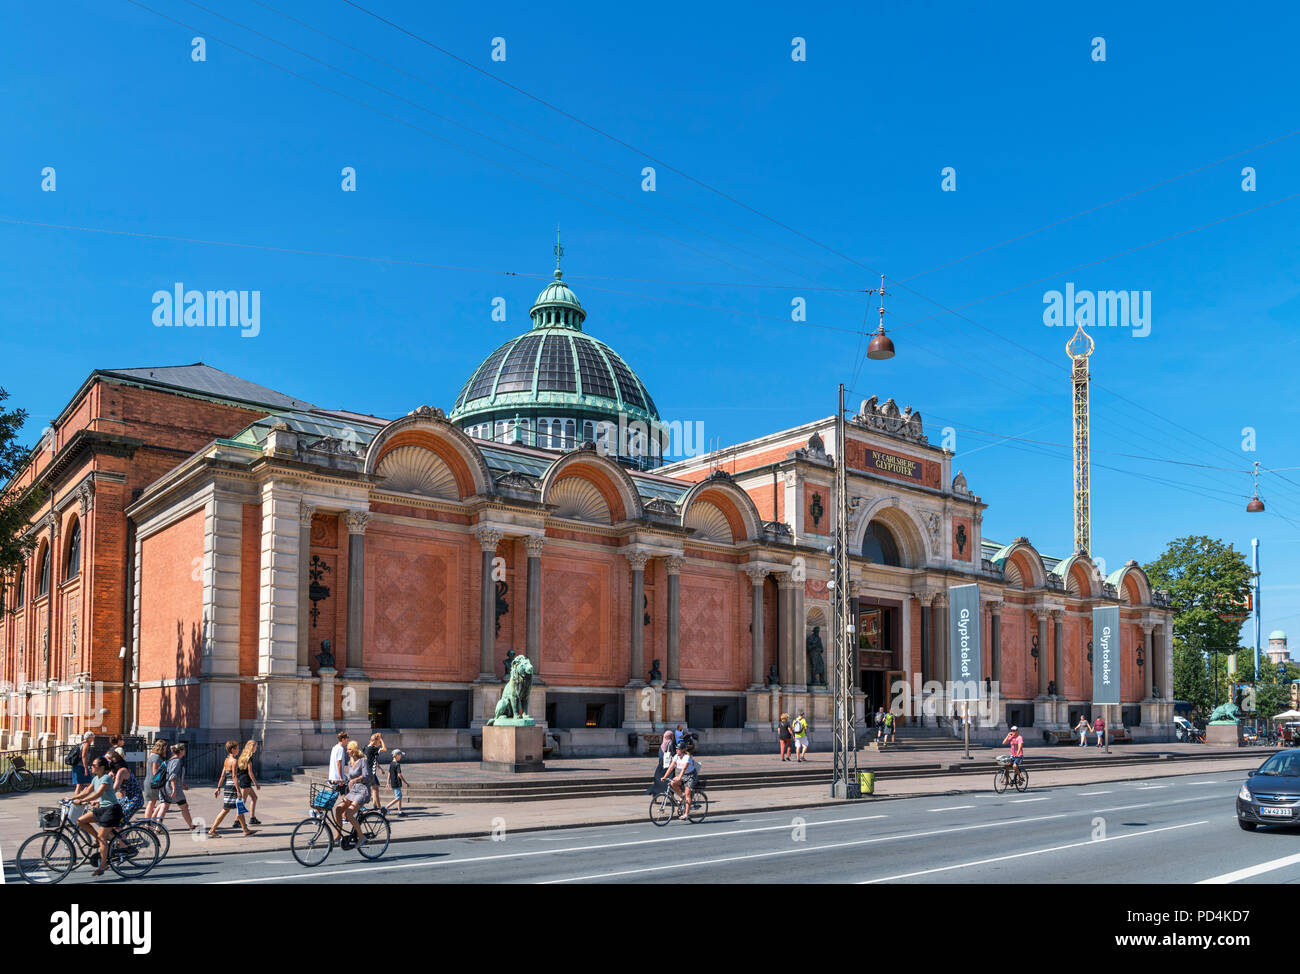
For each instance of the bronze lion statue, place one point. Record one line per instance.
(514, 698)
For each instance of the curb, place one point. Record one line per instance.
(639, 819)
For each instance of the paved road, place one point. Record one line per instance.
(1165, 830)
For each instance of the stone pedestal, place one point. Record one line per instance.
(355, 706)
(1044, 714)
(512, 747)
(759, 704)
(674, 706)
(325, 702)
(485, 697)
(640, 703)
(1223, 735)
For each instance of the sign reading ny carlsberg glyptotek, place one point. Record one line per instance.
(964, 641)
(1105, 654)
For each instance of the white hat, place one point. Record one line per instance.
(1014, 727)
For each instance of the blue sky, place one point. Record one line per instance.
(842, 151)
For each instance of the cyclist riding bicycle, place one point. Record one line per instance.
(1017, 746)
(106, 817)
(681, 776)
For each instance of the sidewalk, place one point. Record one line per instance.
(282, 805)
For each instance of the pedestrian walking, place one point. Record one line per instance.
(800, 730)
(890, 724)
(678, 734)
(1082, 728)
(81, 766)
(786, 736)
(173, 790)
(372, 752)
(228, 792)
(338, 760)
(248, 781)
(879, 721)
(1099, 728)
(155, 776)
(396, 781)
(667, 748)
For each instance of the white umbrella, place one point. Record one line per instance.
(1288, 715)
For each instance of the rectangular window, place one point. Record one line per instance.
(595, 712)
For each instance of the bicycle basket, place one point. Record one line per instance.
(49, 819)
(1003, 758)
(19, 763)
(323, 796)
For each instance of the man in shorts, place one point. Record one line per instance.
(681, 776)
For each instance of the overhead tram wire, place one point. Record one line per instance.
(668, 166)
(532, 133)
(1100, 206)
(501, 165)
(497, 142)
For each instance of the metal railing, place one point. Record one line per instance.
(203, 762)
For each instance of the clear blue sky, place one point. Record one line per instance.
(846, 148)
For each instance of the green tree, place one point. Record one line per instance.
(1208, 584)
(16, 507)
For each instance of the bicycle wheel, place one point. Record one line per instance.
(133, 852)
(374, 827)
(999, 781)
(46, 858)
(699, 807)
(161, 833)
(23, 780)
(311, 842)
(662, 808)
(1022, 779)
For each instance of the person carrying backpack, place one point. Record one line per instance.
(78, 759)
(800, 731)
(155, 776)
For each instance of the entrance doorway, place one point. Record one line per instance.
(876, 640)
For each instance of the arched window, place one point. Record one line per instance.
(588, 432)
(570, 434)
(43, 583)
(879, 545)
(72, 567)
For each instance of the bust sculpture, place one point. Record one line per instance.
(816, 658)
(773, 679)
(656, 676)
(325, 658)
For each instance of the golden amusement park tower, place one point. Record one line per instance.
(1079, 347)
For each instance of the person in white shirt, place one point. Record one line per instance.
(681, 777)
(338, 758)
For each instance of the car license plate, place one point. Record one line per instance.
(1278, 812)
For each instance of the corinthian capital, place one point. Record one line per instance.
(305, 513)
(673, 564)
(756, 573)
(534, 546)
(488, 536)
(636, 559)
(357, 521)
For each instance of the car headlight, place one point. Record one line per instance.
(1245, 794)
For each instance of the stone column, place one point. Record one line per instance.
(533, 610)
(995, 610)
(1042, 653)
(785, 628)
(756, 576)
(800, 648)
(221, 575)
(673, 567)
(277, 652)
(636, 560)
(305, 512)
(1149, 652)
(488, 538)
(357, 521)
(939, 644)
(927, 657)
(1058, 652)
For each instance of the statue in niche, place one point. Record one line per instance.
(772, 677)
(816, 658)
(656, 676)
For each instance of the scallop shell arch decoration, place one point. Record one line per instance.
(578, 500)
(1011, 574)
(414, 470)
(709, 522)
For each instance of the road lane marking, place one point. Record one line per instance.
(1035, 852)
(950, 808)
(1249, 871)
(1150, 787)
(1021, 801)
(548, 852)
(1095, 793)
(792, 852)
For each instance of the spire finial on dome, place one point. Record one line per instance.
(559, 252)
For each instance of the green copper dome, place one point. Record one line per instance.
(554, 372)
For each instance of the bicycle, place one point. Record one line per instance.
(18, 777)
(314, 837)
(161, 833)
(1009, 775)
(62, 845)
(666, 805)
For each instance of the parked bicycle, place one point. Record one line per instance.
(666, 805)
(1009, 775)
(314, 837)
(62, 845)
(17, 776)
